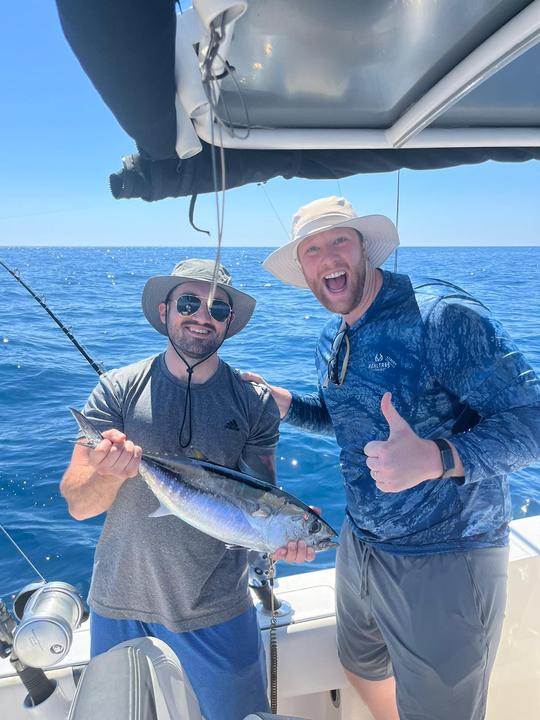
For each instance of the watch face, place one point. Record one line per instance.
(447, 459)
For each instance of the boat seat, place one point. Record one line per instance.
(140, 679)
(116, 686)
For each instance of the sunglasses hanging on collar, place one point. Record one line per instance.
(334, 374)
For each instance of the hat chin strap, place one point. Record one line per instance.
(190, 369)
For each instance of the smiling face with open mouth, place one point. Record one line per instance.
(196, 335)
(334, 267)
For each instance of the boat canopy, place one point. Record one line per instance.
(309, 88)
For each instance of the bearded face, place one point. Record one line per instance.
(333, 263)
(198, 335)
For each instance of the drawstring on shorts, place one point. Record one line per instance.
(365, 554)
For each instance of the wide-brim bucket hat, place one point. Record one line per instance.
(379, 233)
(158, 288)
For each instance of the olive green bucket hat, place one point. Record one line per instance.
(158, 288)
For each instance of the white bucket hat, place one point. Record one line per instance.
(379, 233)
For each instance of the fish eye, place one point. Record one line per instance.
(315, 526)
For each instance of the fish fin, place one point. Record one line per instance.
(234, 547)
(87, 428)
(161, 511)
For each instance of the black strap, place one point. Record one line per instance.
(191, 211)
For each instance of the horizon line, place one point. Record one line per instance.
(242, 247)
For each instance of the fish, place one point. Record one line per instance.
(229, 505)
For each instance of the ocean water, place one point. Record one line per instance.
(96, 292)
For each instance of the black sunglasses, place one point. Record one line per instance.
(334, 375)
(189, 304)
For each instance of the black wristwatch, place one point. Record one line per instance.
(447, 457)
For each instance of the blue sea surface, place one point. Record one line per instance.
(96, 292)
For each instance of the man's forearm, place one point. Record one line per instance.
(309, 412)
(87, 493)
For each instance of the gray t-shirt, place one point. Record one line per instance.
(161, 570)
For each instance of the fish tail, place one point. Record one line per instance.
(88, 429)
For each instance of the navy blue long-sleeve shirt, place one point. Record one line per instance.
(453, 372)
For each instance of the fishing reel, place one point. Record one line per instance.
(48, 613)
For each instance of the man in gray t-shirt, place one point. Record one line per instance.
(160, 576)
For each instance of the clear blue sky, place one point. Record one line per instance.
(60, 142)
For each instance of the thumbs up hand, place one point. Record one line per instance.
(404, 459)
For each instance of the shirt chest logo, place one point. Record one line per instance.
(382, 362)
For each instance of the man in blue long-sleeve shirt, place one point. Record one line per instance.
(432, 406)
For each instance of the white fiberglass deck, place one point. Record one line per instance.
(308, 667)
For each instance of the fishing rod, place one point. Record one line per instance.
(80, 348)
(15, 273)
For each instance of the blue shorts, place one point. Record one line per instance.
(225, 663)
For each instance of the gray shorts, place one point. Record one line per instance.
(434, 621)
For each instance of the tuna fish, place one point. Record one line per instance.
(238, 509)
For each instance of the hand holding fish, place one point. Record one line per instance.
(404, 459)
(296, 552)
(115, 456)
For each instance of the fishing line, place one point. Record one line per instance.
(261, 185)
(211, 89)
(220, 212)
(397, 219)
(207, 81)
(52, 314)
(22, 552)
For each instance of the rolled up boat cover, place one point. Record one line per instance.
(152, 180)
(126, 47)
